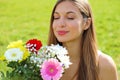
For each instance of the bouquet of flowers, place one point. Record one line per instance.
(32, 61)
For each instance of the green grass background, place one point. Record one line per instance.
(26, 19)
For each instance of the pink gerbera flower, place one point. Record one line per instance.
(51, 70)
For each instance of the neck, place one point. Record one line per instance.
(73, 48)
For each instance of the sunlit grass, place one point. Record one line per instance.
(26, 19)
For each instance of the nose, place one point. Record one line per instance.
(61, 23)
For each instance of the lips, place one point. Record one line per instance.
(62, 32)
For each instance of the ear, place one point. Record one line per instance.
(87, 22)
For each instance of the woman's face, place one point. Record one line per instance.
(68, 22)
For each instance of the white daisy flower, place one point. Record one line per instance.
(61, 53)
(59, 49)
(65, 61)
(54, 51)
(13, 54)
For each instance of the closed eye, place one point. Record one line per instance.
(55, 18)
(71, 18)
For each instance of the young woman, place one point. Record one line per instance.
(72, 27)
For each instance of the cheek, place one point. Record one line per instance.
(54, 26)
(76, 26)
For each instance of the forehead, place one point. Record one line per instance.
(67, 6)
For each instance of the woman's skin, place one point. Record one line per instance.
(68, 25)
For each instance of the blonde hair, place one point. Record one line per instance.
(88, 67)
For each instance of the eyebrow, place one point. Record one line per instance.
(70, 12)
(67, 12)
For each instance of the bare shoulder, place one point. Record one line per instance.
(107, 67)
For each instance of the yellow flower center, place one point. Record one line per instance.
(13, 54)
(51, 70)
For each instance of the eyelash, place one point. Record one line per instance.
(71, 18)
(56, 18)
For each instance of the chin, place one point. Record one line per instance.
(62, 40)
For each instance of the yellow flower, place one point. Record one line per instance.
(2, 58)
(15, 44)
(26, 52)
(26, 55)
